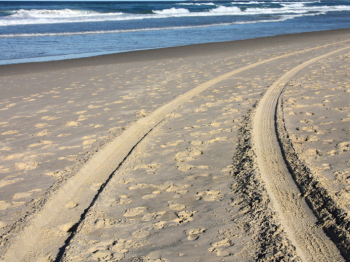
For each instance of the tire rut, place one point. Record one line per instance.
(331, 218)
(298, 220)
(274, 244)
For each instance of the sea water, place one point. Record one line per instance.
(43, 31)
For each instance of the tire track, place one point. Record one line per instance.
(273, 242)
(300, 223)
(333, 219)
(52, 226)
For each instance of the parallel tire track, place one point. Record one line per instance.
(300, 223)
(43, 236)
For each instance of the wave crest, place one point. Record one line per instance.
(34, 16)
(226, 10)
(172, 11)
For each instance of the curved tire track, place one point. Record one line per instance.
(300, 223)
(48, 231)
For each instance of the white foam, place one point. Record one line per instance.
(293, 5)
(34, 16)
(54, 13)
(295, 9)
(195, 4)
(223, 10)
(26, 17)
(247, 3)
(172, 11)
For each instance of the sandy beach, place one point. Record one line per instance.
(233, 151)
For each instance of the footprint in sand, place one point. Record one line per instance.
(54, 173)
(327, 123)
(194, 177)
(194, 234)
(200, 110)
(44, 133)
(216, 139)
(71, 204)
(88, 142)
(176, 206)
(7, 182)
(26, 166)
(343, 146)
(150, 196)
(141, 234)
(210, 195)
(196, 143)
(124, 200)
(4, 205)
(221, 248)
(63, 135)
(311, 138)
(153, 216)
(174, 188)
(69, 158)
(41, 143)
(184, 167)
(332, 152)
(50, 118)
(25, 194)
(147, 166)
(217, 131)
(173, 143)
(93, 106)
(2, 224)
(10, 132)
(5, 149)
(134, 211)
(41, 125)
(188, 155)
(215, 124)
(313, 152)
(13, 156)
(306, 121)
(72, 123)
(11, 105)
(184, 216)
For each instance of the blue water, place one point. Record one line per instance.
(42, 31)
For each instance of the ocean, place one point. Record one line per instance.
(33, 31)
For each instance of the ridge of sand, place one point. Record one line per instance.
(311, 242)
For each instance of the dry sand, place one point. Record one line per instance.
(163, 155)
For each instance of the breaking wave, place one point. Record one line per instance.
(34, 16)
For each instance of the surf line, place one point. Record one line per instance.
(311, 242)
(41, 237)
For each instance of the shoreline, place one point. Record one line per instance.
(161, 53)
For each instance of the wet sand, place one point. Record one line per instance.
(154, 155)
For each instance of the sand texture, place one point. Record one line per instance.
(234, 151)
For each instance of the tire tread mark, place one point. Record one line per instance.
(332, 219)
(300, 223)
